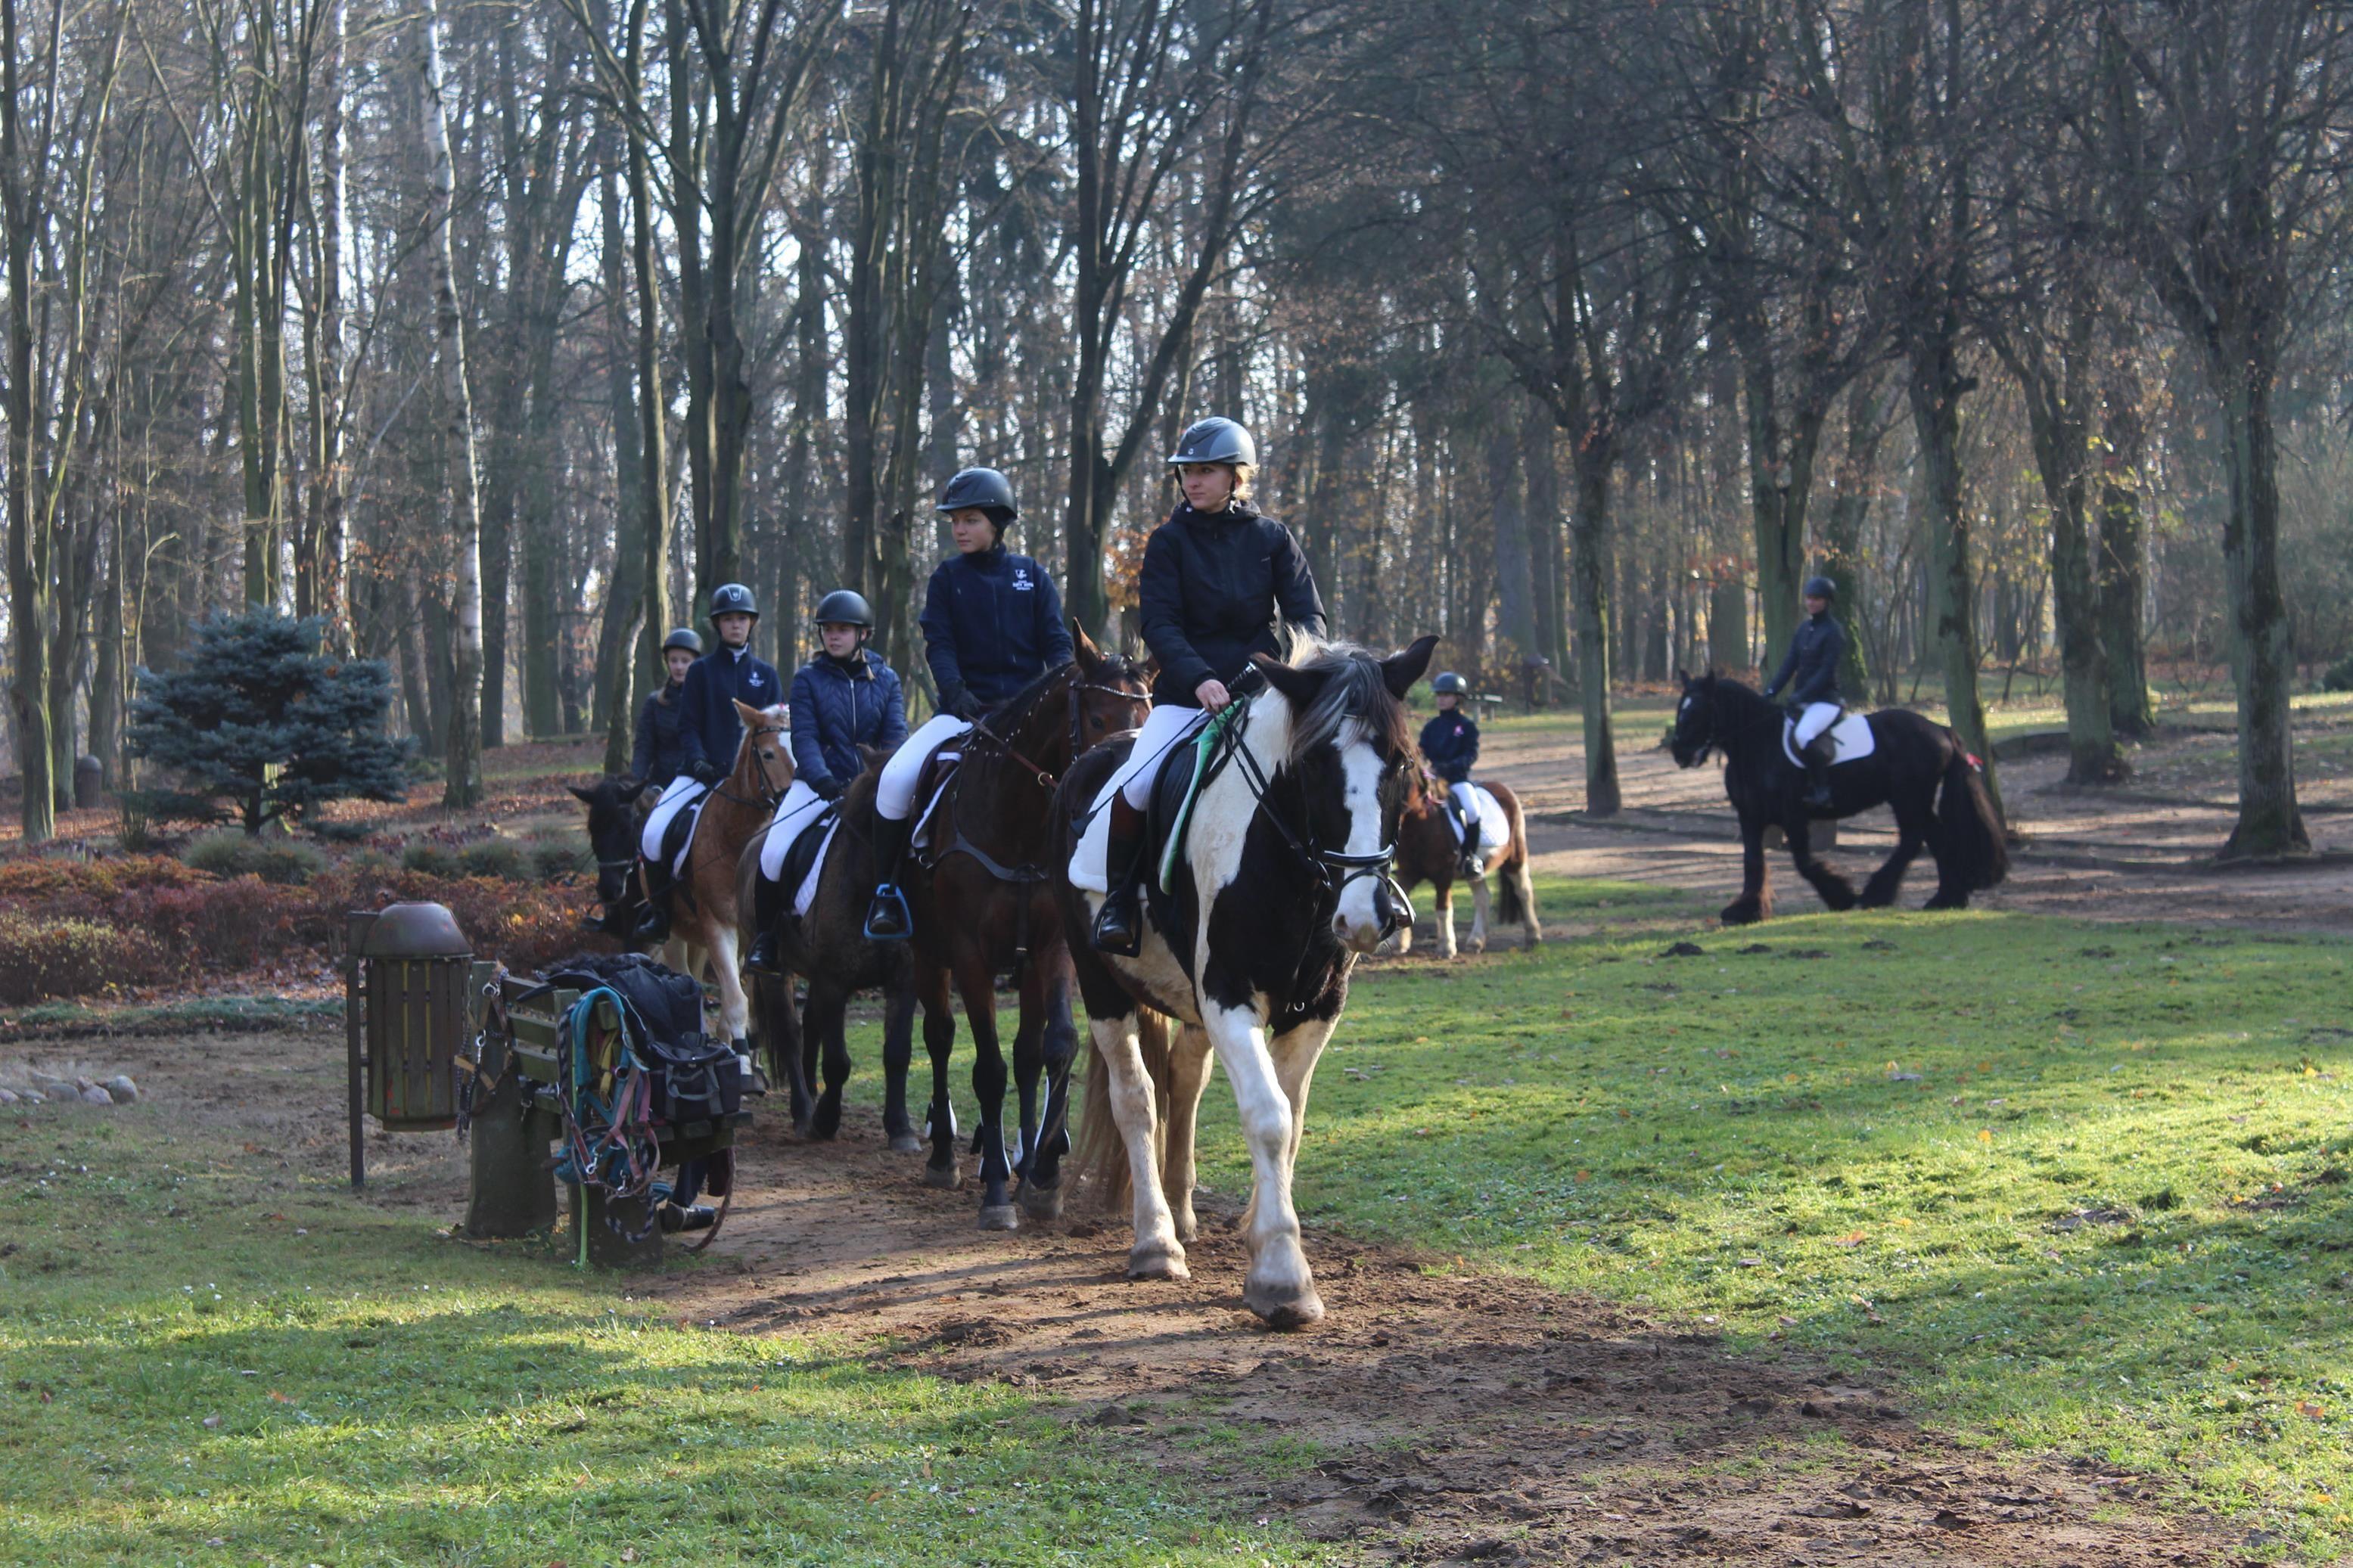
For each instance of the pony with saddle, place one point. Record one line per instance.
(1430, 850)
(983, 905)
(1895, 757)
(829, 875)
(1274, 840)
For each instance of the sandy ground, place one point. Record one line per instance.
(1455, 1415)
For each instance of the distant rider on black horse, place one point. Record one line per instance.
(1808, 684)
(658, 754)
(992, 623)
(710, 734)
(1450, 744)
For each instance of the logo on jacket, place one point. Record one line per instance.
(1021, 584)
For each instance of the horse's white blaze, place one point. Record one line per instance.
(1358, 921)
(1278, 1269)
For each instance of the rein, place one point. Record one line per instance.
(1046, 779)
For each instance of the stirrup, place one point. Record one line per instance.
(887, 901)
(762, 958)
(1120, 944)
(654, 927)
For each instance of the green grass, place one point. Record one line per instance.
(384, 1395)
(1885, 1152)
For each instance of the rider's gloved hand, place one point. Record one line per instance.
(706, 772)
(828, 789)
(957, 699)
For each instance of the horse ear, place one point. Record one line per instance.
(1401, 669)
(585, 796)
(1147, 672)
(1082, 648)
(1298, 685)
(749, 714)
(628, 794)
(1682, 677)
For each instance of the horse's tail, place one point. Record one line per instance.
(1975, 842)
(1099, 1153)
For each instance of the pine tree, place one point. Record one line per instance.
(261, 716)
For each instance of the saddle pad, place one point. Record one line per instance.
(1172, 806)
(942, 767)
(1495, 827)
(693, 812)
(1850, 739)
(806, 858)
(806, 894)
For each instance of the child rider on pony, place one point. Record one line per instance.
(1450, 744)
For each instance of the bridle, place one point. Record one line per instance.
(769, 793)
(1715, 737)
(1044, 777)
(1334, 869)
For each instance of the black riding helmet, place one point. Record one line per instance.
(1447, 682)
(845, 607)
(686, 638)
(982, 489)
(1215, 440)
(1821, 588)
(733, 599)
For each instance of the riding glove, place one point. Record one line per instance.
(706, 771)
(829, 789)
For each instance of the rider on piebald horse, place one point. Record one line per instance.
(1810, 674)
(710, 734)
(1218, 579)
(843, 698)
(992, 623)
(1450, 744)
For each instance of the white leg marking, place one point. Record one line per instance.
(1446, 923)
(1479, 902)
(1278, 1287)
(1157, 1254)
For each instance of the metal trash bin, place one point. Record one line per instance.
(407, 974)
(89, 780)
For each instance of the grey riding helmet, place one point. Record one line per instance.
(1214, 440)
(1819, 588)
(685, 637)
(733, 599)
(845, 607)
(983, 489)
(1451, 684)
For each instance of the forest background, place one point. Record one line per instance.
(1578, 332)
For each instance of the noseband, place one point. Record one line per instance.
(1334, 869)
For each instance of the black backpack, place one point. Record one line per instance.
(694, 1078)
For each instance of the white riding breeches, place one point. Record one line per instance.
(895, 792)
(681, 793)
(1817, 717)
(1165, 729)
(1466, 801)
(800, 806)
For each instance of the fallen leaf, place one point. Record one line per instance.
(278, 1398)
(1852, 1238)
(2308, 1408)
(1985, 1135)
(629, 1554)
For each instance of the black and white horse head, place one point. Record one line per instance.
(612, 833)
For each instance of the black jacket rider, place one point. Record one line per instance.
(1810, 672)
(1206, 586)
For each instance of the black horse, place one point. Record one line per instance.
(614, 824)
(1910, 760)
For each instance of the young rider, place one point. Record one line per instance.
(1451, 743)
(1218, 577)
(992, 623)
(659, 755)
(1810, 674)
(843, 698)
(710, 734)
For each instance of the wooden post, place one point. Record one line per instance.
(512, 1191)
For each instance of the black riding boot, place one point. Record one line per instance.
(1818, 771)
(887, 919)
(1472, 866)
(655, 926)
(1119, 925)
(767, 910)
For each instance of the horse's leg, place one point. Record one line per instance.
(734, 1007)
(1444, 898)
(1480, 897)
(898, 1056)
(939, 1042)
(1279, 1287)
(1756, 899)
(1157, 1254)
(1188, 1075)
(977, 986)
(781, 1026)
(828, 1029)
(1028, 1062)
(812, 1043)
(1835, 890)
(1910, 832)
(1524, 887)
(1041, 1183)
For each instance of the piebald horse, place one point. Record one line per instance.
(702, 927)
(1283, 882)
(1426, 851)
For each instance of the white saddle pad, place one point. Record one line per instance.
(806, 894)
(922, 836)
(1091, 860)
(1851, 738)
(1495, 827)
(693, 820)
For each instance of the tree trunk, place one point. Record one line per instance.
(2262, 651)
(1857, 472)
(1589, 569)
(462, 505)
(1935, 387)
(1540, 461)
(625, 600)
(2123, 562)
(1505, 514)
(30, 606)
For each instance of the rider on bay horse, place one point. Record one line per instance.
(992, 623)
(843, 698)
(1451, 743)
(1810, 673)
(1218, 579)
(710, 734)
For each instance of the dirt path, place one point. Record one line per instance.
(1443, 1414)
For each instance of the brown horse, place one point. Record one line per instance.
(1426, 851)
(703, 940)
(984, 905)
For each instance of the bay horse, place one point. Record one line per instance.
(983, 905)
(830, 949)
(1917, 768)
(1428, 851)
(1283, 881)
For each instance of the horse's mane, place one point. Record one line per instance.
(1355, 687)
(1017, 708)
(1719, 682)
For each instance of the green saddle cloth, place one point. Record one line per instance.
(1202, 770)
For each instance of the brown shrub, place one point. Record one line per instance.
(42, 958)
(28, 877)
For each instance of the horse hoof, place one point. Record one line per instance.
(906, 1144)
(1285, 1312)
(947, 1178)
(1741, 914)
(1943, 902)
(1148, 1262)
(1042, 1203)
(999, 1216)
